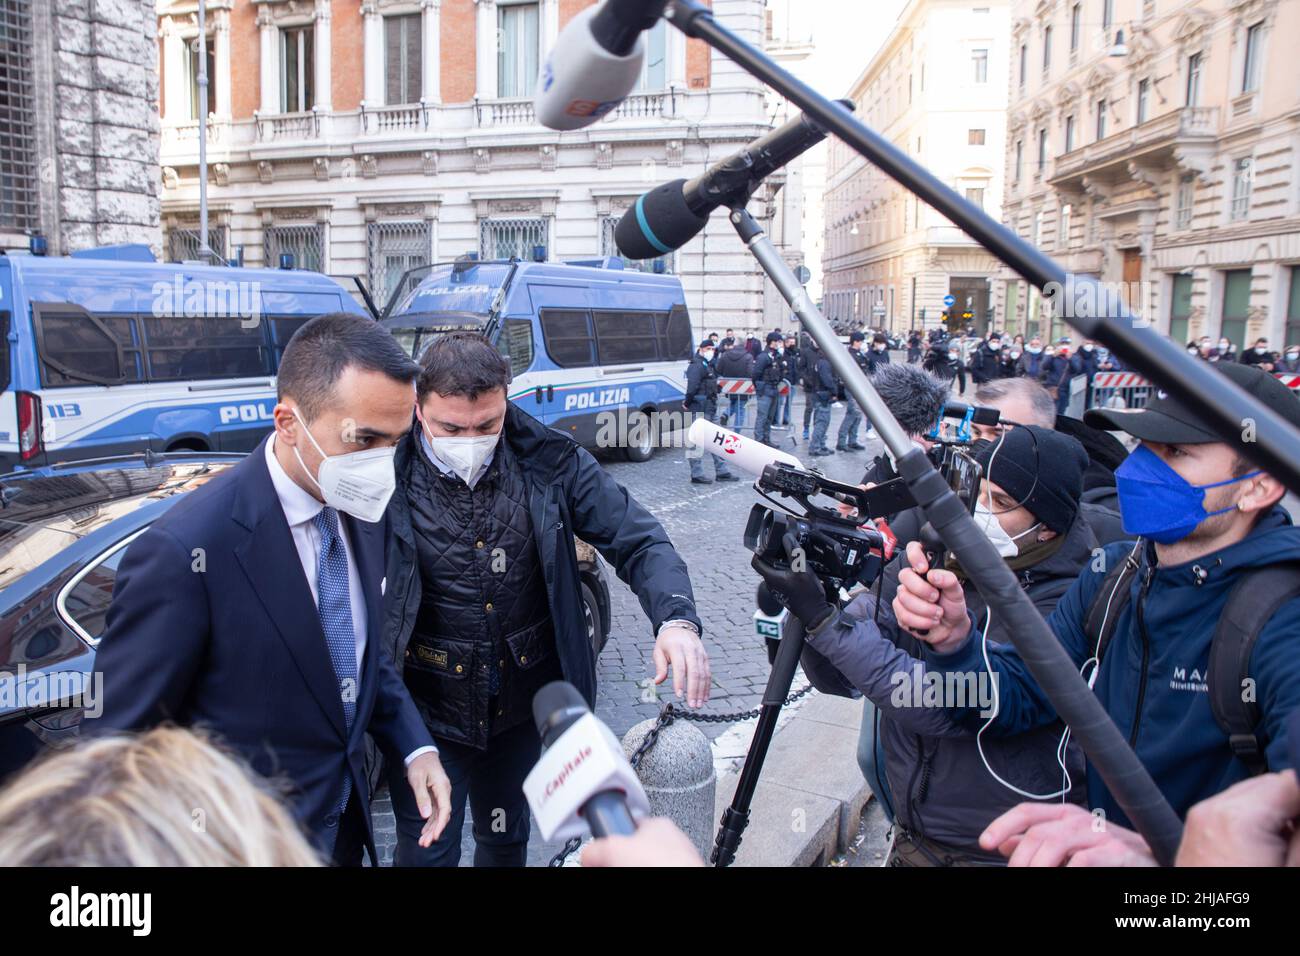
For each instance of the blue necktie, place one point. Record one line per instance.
(335, 608)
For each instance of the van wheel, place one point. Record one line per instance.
(188, 444)
(591, 617)
(639, 426)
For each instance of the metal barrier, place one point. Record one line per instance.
(744, 386)
(1131, 390)
(1119, 390)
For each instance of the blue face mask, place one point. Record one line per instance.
(1158, 503)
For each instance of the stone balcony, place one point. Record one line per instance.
(1174, 137)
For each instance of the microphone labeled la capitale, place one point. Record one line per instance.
(583, 782)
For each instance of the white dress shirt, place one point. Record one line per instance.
(299, 509)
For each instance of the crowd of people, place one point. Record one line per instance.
(334, 607)
(771, 372)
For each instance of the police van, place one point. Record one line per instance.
(595, 349)
(109, 352)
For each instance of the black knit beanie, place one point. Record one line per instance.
(1041, 469)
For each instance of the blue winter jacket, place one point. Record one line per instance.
(1152, 680)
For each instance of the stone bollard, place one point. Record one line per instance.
(677, 773)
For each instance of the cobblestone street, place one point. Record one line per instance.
(706, 523)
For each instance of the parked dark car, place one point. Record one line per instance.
(63, 530)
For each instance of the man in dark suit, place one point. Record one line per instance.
(254, 606)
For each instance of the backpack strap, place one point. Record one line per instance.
(1254, 599)
(1109, 602)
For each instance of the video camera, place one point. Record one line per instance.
(835, 548)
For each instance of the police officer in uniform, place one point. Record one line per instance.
(702, 400)
(848, 436)
(769, 369)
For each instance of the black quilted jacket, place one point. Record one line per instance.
(568, 495)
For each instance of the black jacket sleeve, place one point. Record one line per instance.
(631, 540)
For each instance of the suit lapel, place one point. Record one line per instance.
(271, 562)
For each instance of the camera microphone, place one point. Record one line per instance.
(747, 454)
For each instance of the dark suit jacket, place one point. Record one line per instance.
(213, 624)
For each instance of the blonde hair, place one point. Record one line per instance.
(167, 797)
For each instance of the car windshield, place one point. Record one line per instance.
(414, 332)
(461, 288)
(41, 515)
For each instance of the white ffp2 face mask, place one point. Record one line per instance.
(464, 456)
(988, 522)
(358, 483)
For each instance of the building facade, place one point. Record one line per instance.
(79, 123)
(937, 91)
(370, 136)
(1154, 145)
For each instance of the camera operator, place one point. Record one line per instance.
(701, 399)
(944, 789)
(1026, 402)
(1142, 620)
(944, 360)
(483, 603)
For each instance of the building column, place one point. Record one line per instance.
(372, 69)
(322, 79)
(176, 104)
(221, 53)
(431, 47)
(486, 47)
(270, 65)
(676, 54)
(549, 25)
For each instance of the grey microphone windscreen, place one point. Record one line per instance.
(913, 395)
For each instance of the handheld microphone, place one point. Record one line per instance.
(671, 215)
(595, 63)
(583, 781)
(747, 454)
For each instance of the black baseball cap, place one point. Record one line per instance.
(857, 337)
(1170, 420)
(775, 337)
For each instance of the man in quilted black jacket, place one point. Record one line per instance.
(483, 602)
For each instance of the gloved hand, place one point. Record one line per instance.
(799, 592)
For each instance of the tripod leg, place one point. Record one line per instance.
(736, 817)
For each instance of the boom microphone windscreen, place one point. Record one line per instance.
(674, 224)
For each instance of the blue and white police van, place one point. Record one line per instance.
(595, 350)
(109, 352)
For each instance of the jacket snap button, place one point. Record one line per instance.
(459, 668)
(523, 658)
(501, 663)
(487, 606)
(478, 544)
